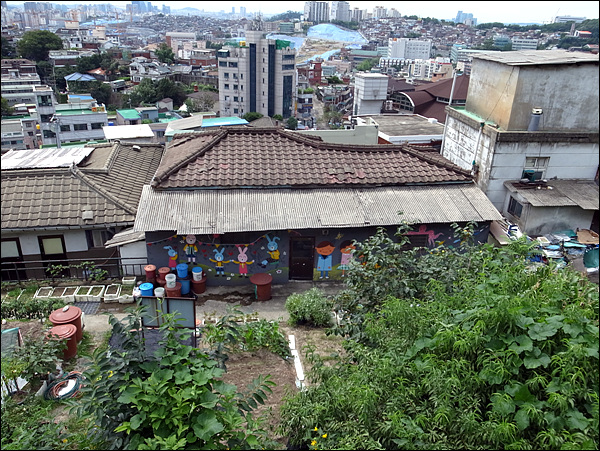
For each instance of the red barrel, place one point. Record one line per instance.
(199, 286)
(174, 292)
(66, 332)
(162, 272)
(263, 285)
(150, 273)
(72, 315)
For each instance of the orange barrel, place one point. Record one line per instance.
(67, 332)
(150, 273)
(162, 272)
(174, 292)
(263, 286)
(68, 315)
(199, 286)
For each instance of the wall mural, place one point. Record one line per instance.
(231, 263)
(234, 263)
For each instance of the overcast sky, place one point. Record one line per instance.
(494, 11)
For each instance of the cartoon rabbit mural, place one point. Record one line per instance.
(219, 262)
(273, 251)
(173, 255)
(190, 248)
(243, 261)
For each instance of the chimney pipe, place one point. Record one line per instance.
(534, 122)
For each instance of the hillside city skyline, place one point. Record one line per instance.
(504, 11)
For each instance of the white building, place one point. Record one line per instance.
(259, 75)
(524, 44)
(316, 11)
(407, 48)
(340, 11)
(370, 91)
(564, 19)
(529, 133)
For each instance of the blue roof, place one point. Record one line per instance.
(79, 77)
(219, 121)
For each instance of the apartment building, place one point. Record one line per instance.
(406, 48)
(340, 11)
(257, 75)
(316, 12)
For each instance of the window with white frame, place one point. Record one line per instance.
(535, 168)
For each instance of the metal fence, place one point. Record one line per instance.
(83, 269)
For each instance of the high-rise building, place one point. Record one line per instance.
(408, 48)
(340, 11)
(379, 12)
(257, 75)
(242, 11)
(166, 9)
(316, 11)
(466, 18)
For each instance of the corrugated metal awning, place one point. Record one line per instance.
(562, 193)
(241, 210)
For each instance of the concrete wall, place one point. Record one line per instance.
(75, 240)
(506, 94)
(535, 221)
(501, 155)
(137, 253)
(366, 134)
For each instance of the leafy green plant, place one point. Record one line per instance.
(29, 308)
(39, 356)
(311, 307)
(495, 354)
(250, 336)
(173, 399)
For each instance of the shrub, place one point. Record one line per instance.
(311, 308)
(27, 308)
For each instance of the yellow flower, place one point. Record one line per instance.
(313, 443)
(110, 374)
(324, 436)
(65, 440)
(316, 428)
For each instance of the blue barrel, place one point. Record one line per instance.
(147, 289)
(185, 285)
(182, 270)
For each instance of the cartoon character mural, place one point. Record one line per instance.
(243, 261)
(173, 255)
(220, 261)
(346, 249)
(190, 247)
(431, 235)
(324, 249)
(273, 251)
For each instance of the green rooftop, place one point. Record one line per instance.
(129, 114)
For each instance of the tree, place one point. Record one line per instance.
(165, 54)
(462, 348)
(36, 44)
(203, 101)
(368, 64)
(252, 116)
(292, 123)
(7, 110)
(101, 92)
(334, 80)
(278, 117)
(8, 50)
(44, 70)
(145, 92)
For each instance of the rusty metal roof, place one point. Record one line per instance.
(238, 210)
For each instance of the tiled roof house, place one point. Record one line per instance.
(65, 203)
(292, 200)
